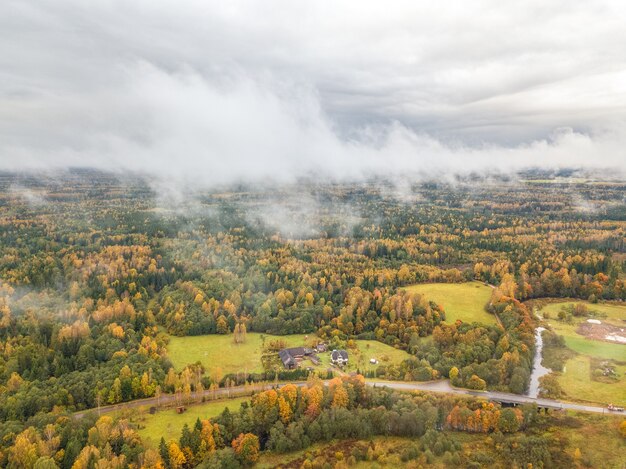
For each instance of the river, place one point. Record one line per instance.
(538, 369)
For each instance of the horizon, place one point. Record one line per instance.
(201, 93)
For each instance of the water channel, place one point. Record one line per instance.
(538, 369)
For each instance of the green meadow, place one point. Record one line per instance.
(576, 380)
(581, 344)
(462, 301)
(577, 383)
(168, 424)
(220, 352)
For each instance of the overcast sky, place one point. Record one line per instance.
(223, 91)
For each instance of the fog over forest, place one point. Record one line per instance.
(312, 234)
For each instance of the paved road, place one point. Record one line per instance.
(442, 386)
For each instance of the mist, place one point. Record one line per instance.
(199, 95)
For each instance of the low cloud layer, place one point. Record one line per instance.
(212, 93)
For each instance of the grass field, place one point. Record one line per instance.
(464, 301)
(576, 379)
(578, 343)
(577, 384)
(581, 344)
(168, 424)
(373, 349)
(219, 351)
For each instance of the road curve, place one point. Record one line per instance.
(441, 386)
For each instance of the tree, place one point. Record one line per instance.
(176, 457)
(510, 420)
(45, 463)
(340, 396)
(246, 447)
(284, 410)
(87, 458)
(222, 325)
(239, 333)
(549, 387)
(152, 460)
(580, 309)
(476, 382)
(115, 394)
(14, 382)
(23, 453)
(164, 452)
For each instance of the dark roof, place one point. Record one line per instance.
(336, 354)
(288, 355)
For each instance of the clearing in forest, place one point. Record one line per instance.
(167, 423)
(220, 351)
(463, 301)
(219, 354)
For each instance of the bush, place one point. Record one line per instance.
(410, 453)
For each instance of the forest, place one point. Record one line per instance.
(99, 271)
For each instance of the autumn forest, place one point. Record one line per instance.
(100, 274)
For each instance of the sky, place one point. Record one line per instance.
(220, 92)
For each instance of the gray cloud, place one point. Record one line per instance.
(209, 93)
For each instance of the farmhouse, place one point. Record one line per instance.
(339, 357)
(291, 357)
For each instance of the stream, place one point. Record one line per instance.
(538, 369)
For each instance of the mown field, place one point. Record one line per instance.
(463, 301)
(219, 353)
(366, 349)
(577, 383)
(576, 380)
(168, 424)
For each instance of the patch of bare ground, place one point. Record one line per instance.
(604, 371)
(603, 331)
